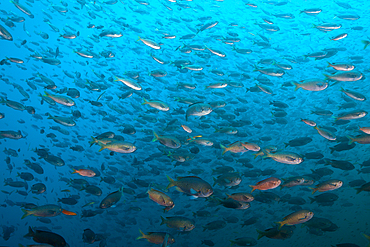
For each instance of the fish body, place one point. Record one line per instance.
(285, 157)
(48, 210)
(266, 184)
(111, 199)
(191, 185)
(298, 217)
(198, 109)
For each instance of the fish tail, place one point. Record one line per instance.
(312, 200)
(26, 213)
(366, 236)
(358, 190)
(329, 65)
(297, 86)
(351, 140)
(30, 233)
(74, 171)
(47, 94)
(327, 76)
(155, 137)
(260, 234)
(313, 190)
(367, 43)
(102, 147)
(281, 223)
(93, 141)
(141, 236)
(171, 184)
(224, 149)
(163, 220)
(253, 188)
(49, 115)
(145, 102)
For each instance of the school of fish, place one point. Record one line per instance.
(184, 123)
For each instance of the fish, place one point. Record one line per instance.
(111, 200)
(298, 217)
(192, 186)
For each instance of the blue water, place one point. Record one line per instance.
(263, 109)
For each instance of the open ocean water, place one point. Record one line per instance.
(184, 123)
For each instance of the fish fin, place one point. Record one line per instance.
(145, 102)
(193, 191)
(102, 147)
(366, 43)
(260, 234)
(193, 197)
(224, 149)
(253, 188)
(93, 141)
(313, 190)
(155, 137)
(30, 233)
(171, 184)
(280, 223)
(141, 236)
(163, 221)
(351, 140)
(297, 86)
(26, 213)
(366, 236)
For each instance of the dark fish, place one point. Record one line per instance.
(46, 237)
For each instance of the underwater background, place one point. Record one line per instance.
(150, 123)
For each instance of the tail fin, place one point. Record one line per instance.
(224, 149)
(171, 184)
(26, 213)
(102, 146)
(253, 188)
(260, 234)
(145, 102)
(366, 43)
(351, 140)
(313, 190)
(141, 236)
(367, 237)
(281, 223)
(358, 190)
(30, 233)
(163, 221)
(297, 85)
(155, 137)
(94, 140)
